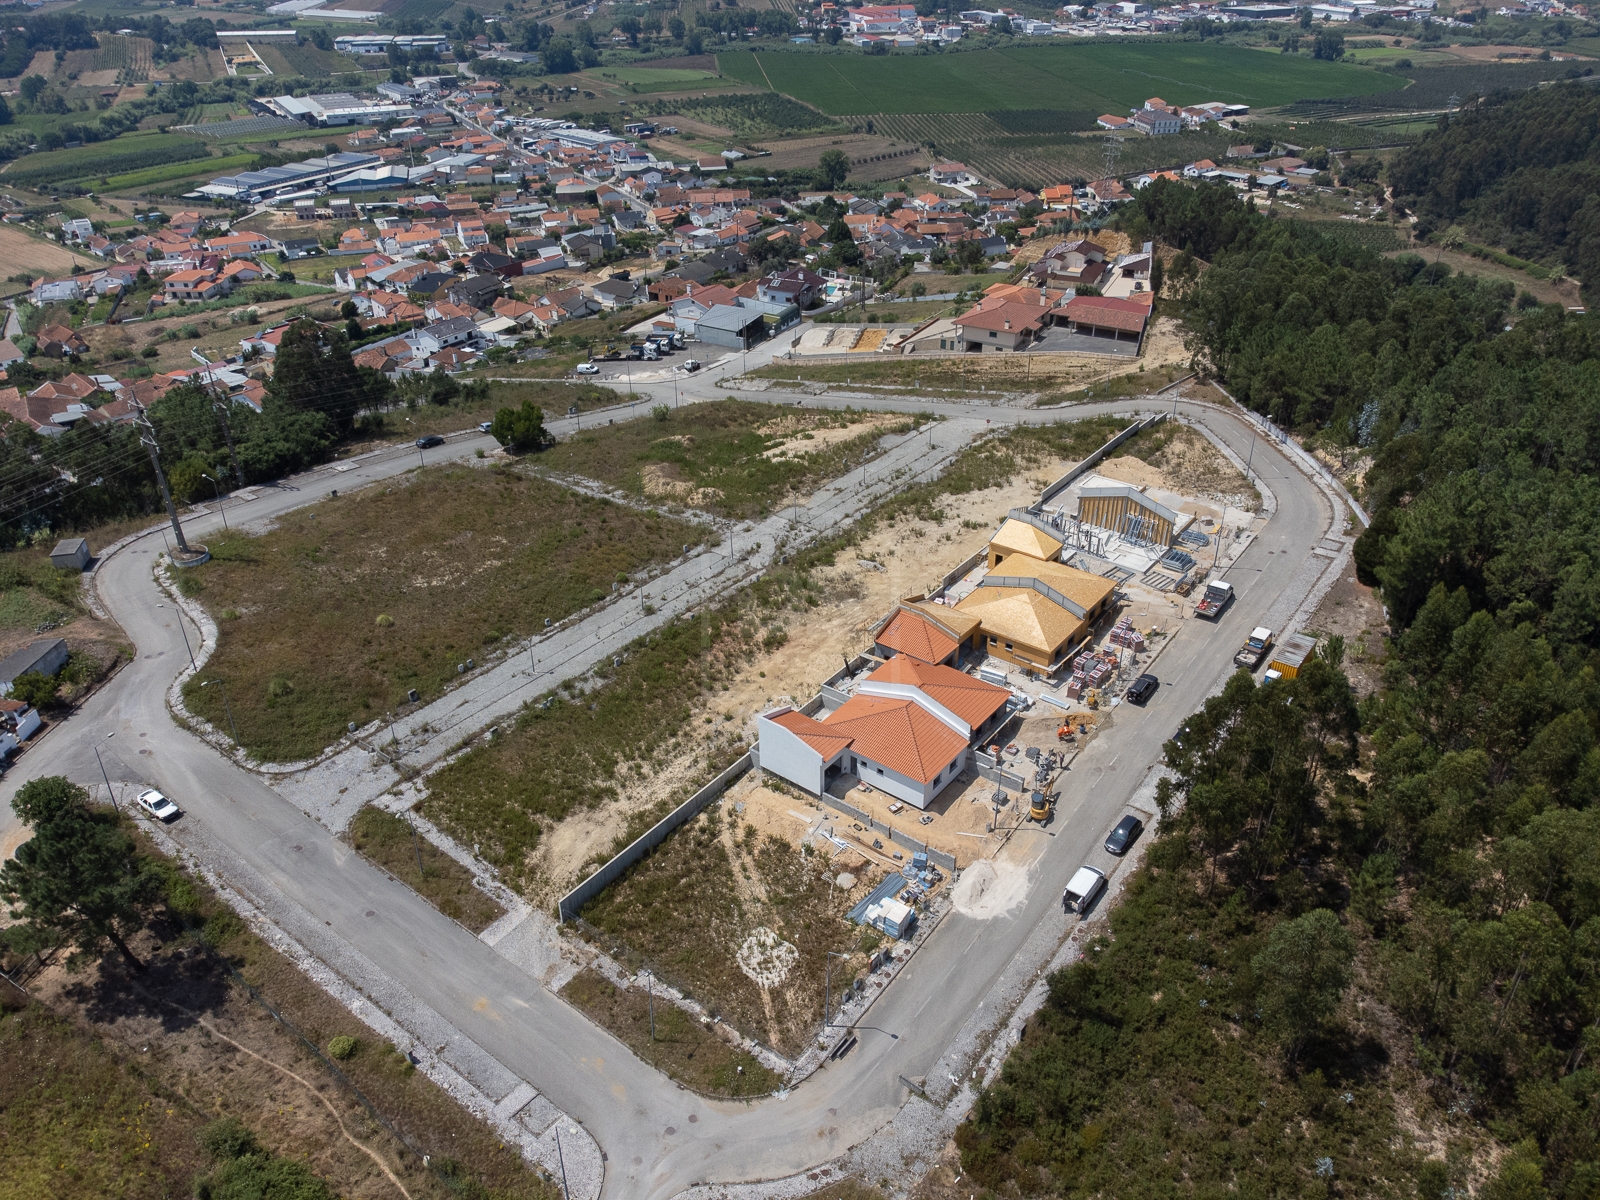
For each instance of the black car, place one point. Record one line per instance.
(1124, 835)
(1142, 688)
(429, 439)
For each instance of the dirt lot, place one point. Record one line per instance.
(1354, 612)
(22, 252)
(1052, 376)
(742, 916)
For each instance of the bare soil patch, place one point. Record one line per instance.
(1353, 611)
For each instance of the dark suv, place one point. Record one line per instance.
(1142, 688)
(1124, 835)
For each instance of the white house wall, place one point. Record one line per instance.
(786, 754)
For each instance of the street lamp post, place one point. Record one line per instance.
(420, 460)
(185, 633)
(226, 707)
(103, 774)
(217, 487)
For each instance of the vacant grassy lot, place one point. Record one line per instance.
(971, 375)
(728, 457)
(688, 908)
(574, 750)
(392, 842)
(682, 1048)
(332, 616)
(1100, 78)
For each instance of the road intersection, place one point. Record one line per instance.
(479, 1019)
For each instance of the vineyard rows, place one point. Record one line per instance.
(1040, 160)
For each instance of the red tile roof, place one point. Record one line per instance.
(973, 700)
(912, 633)
(898, 734)
(1106, 312)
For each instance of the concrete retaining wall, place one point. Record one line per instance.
(572, 903)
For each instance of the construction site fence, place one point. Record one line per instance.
(937, 857)
(1093, 460)
(572, 903)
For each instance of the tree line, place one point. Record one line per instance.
(87, 476)
(1363, 952)
(1516, 169)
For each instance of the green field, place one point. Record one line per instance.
(649, 77)
(131, 152)
(183, 170)
(1101, 78)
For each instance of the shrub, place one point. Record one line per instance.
(35, 688)
(228, 1138)
(385, 620)
(343, 1047)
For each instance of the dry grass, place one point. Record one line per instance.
(716, 456)
(393, 844)
(453, 559)
(682, 1048)
(109, 1078)
(23, 252)
(686, 910)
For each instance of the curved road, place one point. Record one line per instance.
(658, 1138)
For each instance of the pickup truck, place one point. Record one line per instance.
(1255, 650)
(1216, 598)
(1081, 890)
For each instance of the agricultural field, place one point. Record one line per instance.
(131, 152)
(448, 562)
(653, 79)
(1039, 159)
(1431, 88)
(23, 252)
(1099, 78)
(763, 114)
(151, 176)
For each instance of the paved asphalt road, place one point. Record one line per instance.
(658, 1138)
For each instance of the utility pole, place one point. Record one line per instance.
(220, 404)
(147, 435)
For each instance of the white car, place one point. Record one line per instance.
(587, 368)
(158, 806)
(691, 365)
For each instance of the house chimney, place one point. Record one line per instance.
(1008, 324)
